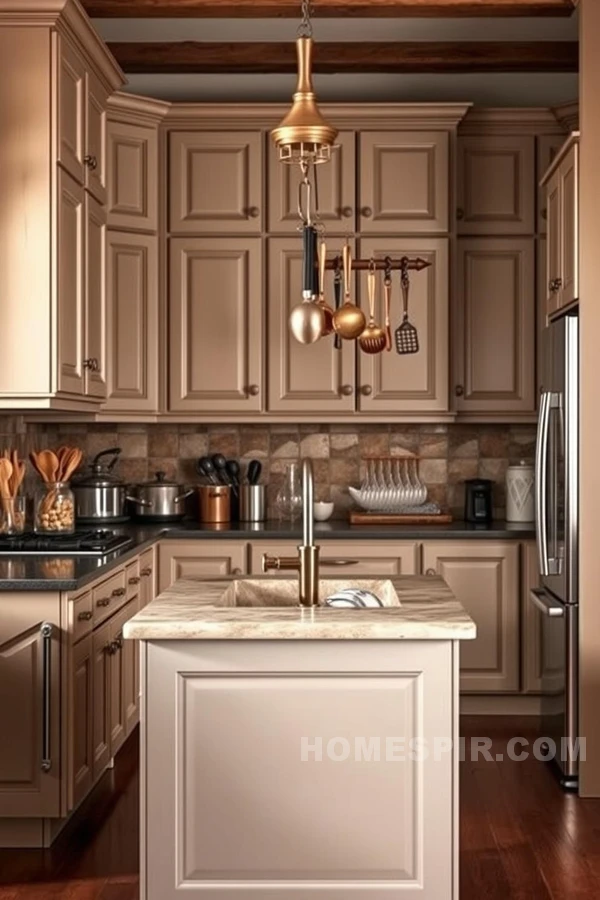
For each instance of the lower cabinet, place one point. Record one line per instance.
(484, 576)
(343, 559)
(532, 663)
(200, 559)
(101, 692)
(81, 721)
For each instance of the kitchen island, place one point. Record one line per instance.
(296, 752)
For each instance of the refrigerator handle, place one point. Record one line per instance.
(545, 604)
(541, 480)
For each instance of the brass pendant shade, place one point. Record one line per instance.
(304, 136)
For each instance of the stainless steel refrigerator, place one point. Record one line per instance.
(557, 515)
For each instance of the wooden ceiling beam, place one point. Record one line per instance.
(290, 8)
(357, 57)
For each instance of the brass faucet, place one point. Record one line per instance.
(307, 561)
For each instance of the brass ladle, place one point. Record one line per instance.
(327, 310)
(349, 320)
(373, 338)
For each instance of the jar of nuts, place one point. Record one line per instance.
(54, 508)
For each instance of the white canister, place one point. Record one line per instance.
(520, 501)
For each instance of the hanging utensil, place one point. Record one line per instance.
(349, 320)
(387, 292)
(372, 340)
(337, 294)
(407, 339)
(307, 319)
(327, 310)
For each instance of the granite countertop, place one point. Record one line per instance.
(29, 572)
(190, 610)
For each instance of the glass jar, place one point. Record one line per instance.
(54, 509)
(289, 497)
(12, 515)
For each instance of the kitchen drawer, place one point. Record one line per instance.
(353, 559)
(81, 615)
(109, 596)
(133, 578)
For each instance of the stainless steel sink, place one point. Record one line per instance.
(284, 592)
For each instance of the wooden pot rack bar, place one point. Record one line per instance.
(406, 264)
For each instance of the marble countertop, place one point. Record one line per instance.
(190, 610)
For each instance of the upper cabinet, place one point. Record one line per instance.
(403, 181)
(548, 146)
(132, 184)
(71, 98)
(336, 189)
(561, 184)
(496, 184)
(216, 182)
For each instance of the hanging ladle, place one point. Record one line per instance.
(327, 310)
(373, 338)
(349, 320)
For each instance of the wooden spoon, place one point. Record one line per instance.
(373, 339)
(6, 470)
(349, 320)
(387, 292)
(48, 465)
(72, 462)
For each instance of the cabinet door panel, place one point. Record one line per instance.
(336, 189)
(495, 326)
(554, 244)
(484, 576)
(417, 382)
(25, 788)
(71, 110)
(375, 558)
(496, 185)
(533, 663)
(216, 182)
(196, 559)
(148, 573)
(128, 663)
(71, 290)
(548, 146)
(101, 707)
(132, 164)
(569, 189)
(216, 325)
(304, 378)
(81, 721)
(403, 181)
(95, 298)
(95, 149)
(132, 322)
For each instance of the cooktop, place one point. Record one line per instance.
(81, 543)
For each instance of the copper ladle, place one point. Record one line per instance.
(373, 339)
(349, 320)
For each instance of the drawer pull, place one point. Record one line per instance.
(146, 572)
(135, 579)
(431, 572)
(332, 561)
(104, 601)
(84, 616)
(119, 592)
(46, 634)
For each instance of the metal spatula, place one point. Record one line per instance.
(407, 339)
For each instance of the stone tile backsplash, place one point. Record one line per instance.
(449, 453)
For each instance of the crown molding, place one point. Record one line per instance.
(135, 108)
(567, 114)
(500, 120)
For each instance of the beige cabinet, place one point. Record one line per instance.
(95, 355)
(101, 680)
(346, 559)
(484, 576)
(403, 181)
(336, 186)
(415, 383)
(132, 323)
(495, 321)
(199, 559)
(30, 657)
(71, 285)
(496, 184)
(132, 176)
(216, 182)
(71, 102)
(148, 575)
(125, 711)
(303, 378)
(561, 183)
(216, 325)
(95, 131)
(547, 148)
(81, 721)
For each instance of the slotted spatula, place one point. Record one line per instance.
(407, 338)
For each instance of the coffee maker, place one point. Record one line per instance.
(478, 501)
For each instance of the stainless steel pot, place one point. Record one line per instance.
(159, 500)
(100, 495)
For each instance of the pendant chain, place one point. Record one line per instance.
(305, 27)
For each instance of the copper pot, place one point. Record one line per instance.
(215, 503)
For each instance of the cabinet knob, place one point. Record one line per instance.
(254, 390)
(366, 390)
(84, 616)
(236, 571)
(347, 212)
(135, 579)
(91, 162)
(254, 212)
(544, 214)
(104, 601)
(119, 592)
(146, 572)
(92, 364)
(346, 390)
(555, 285)
(459, 390)
(460, 213)
(431, 572)
(367, 212)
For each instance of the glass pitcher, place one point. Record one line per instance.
(289, 497)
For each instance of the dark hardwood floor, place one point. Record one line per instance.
(522, 838)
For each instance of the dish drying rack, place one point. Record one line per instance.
(392, 487)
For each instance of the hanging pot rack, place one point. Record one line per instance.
(405, 264)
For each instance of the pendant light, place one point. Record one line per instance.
(304, 137)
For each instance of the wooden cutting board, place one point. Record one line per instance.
(365, 518)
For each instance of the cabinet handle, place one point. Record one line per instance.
(104, 601)
(91, 162)
(366, 390)
(346, 390)
(544, 214)
(135, 579)
(46, 633)
(332, 561)
(459, 390)
(460, 213)
(347, 212)
(84, 616)
(431, 572)
(366, 211)
(119, 592)
(146, 572)
(555, 285)
(254, 212)
(110, 648)
(236, 571)
(91, 364)
(253, 390)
